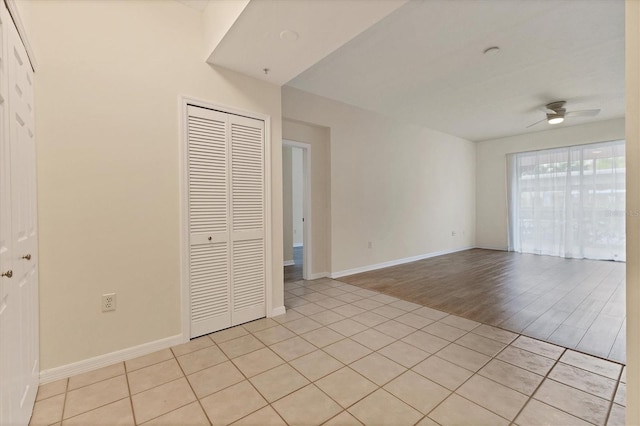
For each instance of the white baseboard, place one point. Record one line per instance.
(298, 244)
(288, 263)
(396, 262)
(280, 310)
(78, 367)
(492, 248)
(319, 275)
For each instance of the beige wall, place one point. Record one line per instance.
(219, 16)
(405, 188)
(491, 189)
(632, 42)
(297, 178)
(287, 204)
(318, 138)
(108, 128)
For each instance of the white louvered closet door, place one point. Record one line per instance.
(225, 155)
(247, 216)
(209, 254)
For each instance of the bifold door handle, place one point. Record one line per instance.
(209, 238)
(8, 274)
(27, 256)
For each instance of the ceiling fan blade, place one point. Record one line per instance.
(583, 113)
(537, 122)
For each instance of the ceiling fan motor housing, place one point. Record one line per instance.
(560, 113)
(556, 106)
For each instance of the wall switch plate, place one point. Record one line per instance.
(108, 302)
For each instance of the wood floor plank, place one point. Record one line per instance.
(600, 337)
(618, 350)
(575, 303)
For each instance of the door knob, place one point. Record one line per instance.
(8, 274)
(27, 256)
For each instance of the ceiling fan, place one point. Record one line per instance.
(556, 113)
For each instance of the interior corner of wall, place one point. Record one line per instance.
(218, 18)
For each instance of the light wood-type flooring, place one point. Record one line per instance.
(578, 304)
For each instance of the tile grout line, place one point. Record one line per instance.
(184, 375)
(310, 382)
(174, 357)
(530, 397)
(378, 387)
(126, 377)
(546, 377)
(454, 392)
(64, 400)
(245, 379)
(295, 390)
(613, 397)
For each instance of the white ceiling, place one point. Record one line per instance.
(200, 5)
(254, 41)
(423, 62)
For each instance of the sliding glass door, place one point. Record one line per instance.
(568, 202)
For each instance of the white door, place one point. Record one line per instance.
(225, 174)
(209, 275)
(247, 215)
(9, 311)
(18, 233)
(24, 213)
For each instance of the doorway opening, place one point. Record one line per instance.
(296, 160)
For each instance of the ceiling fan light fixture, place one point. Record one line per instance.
(555, 119)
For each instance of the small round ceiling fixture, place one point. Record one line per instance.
(493, 50)
(288, 35)
(555, 119)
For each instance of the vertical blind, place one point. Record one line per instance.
(568, 202)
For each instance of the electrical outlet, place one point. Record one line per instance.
(370, 244)
(108, 302)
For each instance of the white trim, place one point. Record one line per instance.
(396, 262)
(64, 371)
(280, 310)
(319, 275)
(184, 102)
(268, 248)
(288, 263)
(298, 244)
(307, 266)
(22, 32)
(185, 297)
(492, 248)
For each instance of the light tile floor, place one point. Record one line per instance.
(342, 355)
